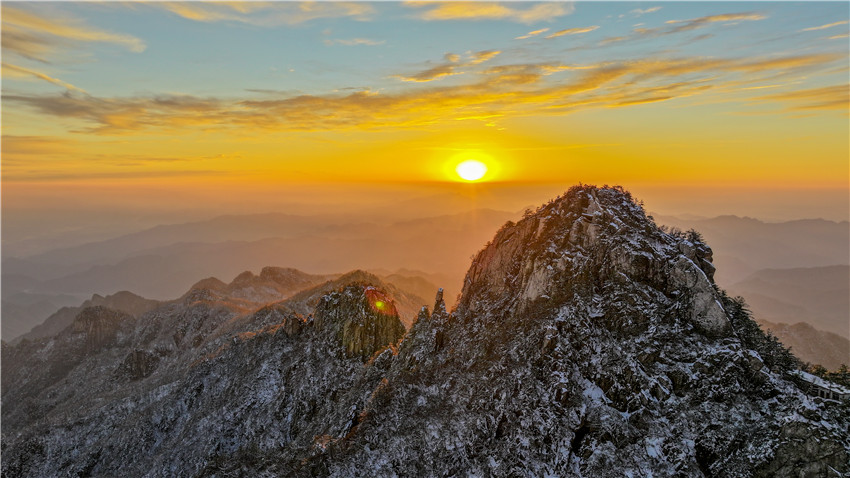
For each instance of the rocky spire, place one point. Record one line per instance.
(424, 314)
(439, 306)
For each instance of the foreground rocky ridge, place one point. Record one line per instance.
(587, 342)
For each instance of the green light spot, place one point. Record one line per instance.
(379, 304)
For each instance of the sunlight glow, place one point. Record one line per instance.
(471, 170)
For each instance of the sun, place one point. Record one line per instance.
(471, 170)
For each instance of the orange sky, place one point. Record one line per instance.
(166, 111)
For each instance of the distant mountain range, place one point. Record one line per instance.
(819, 296)
(249, 292)
(812, 345)
(162, 262)
(744, 245)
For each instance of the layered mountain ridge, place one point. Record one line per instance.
(586, 342)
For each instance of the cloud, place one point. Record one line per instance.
(450, 67)
(572, 31)
(39, 36)
(492, 11)
(452, 57)
(824, 27)
(838, 37)
(431, 74)
(638, 12)
(784, 63)
(482, 56)
(355, 42)
(15, 71)
(267, 14)
(526, 73)
(678, 26)
(827, 98)
(694, 23)
(532, 34)
(500, 91)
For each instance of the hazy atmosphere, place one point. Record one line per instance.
(419, 238)
(121, 116)
(330, 133)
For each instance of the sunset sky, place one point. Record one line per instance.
(135, 112)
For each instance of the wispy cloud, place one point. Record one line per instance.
(572, 31)
(638, 12)
(824, 27)
(451, 66)
(40, 37)
(827, 98)
(267, 14)
(354, 42)
(526, 73)
(679, 26)
(431, 74)
(15, 71)
(492, 11)
(838, 37)
(694, 23)
(497, 92)
(482, 56)
(532, 34)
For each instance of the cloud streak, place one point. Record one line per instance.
(451, 66)
(572, 31)
(497, 92)
(827, 98)
(679, 26)
(40, 36)
(354, 42)
(267, 14)
(15, 71)
(639, 12)
(824, 27)
(532, 34)
(491, 11)
(694, 23)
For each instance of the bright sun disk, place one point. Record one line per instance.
(471, 170)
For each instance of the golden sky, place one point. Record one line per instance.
(209, 107)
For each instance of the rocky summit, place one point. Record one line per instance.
(587, 342)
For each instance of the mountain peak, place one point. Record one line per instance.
(271, 285)
(585, 241)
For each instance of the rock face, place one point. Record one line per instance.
(587, 342)
(99, 325)
(123, 301)
(363, 319)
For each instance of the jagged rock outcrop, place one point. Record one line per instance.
(587, 342)
(363, 318)
(123, 301)
(406, 303)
